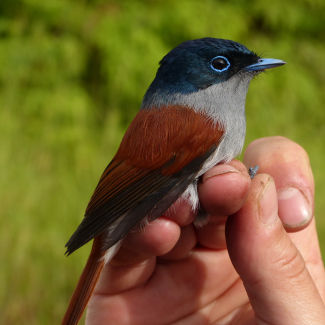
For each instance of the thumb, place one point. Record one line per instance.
(278, 284)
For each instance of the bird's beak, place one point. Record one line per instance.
(263, 64)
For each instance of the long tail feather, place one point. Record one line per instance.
(86, 284)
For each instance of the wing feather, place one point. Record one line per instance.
(161, 152)
(137, 200)
(158, 201)
(114, 202)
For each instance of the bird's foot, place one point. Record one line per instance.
(252, 171)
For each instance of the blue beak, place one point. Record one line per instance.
(264, 64)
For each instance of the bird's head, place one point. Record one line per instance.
(199, 64)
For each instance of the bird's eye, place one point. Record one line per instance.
(220, 63)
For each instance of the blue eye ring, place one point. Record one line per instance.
(223, 65)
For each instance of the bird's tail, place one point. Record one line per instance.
(86, 285)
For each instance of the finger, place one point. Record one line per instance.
(224, 188)
(155, 239)
(288, 164)
(274, 273)
(222, 192)
(135, 261)
(184, 246)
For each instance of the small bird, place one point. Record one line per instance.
(192, 117)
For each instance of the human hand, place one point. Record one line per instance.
(193, 281)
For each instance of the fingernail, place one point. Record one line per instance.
(219, 170)
(294, 208)
(268, 205)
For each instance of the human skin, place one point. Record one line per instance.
(257, 261)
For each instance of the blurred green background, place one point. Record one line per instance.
(72, 77)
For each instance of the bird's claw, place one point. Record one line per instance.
(252, 171)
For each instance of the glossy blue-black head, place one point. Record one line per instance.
(203, 62)
(198, 64)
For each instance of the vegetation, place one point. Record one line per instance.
(72, 76)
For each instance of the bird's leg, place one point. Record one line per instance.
(252, 171)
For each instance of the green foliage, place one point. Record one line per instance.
(72, 76)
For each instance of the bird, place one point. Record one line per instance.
(192, 117)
